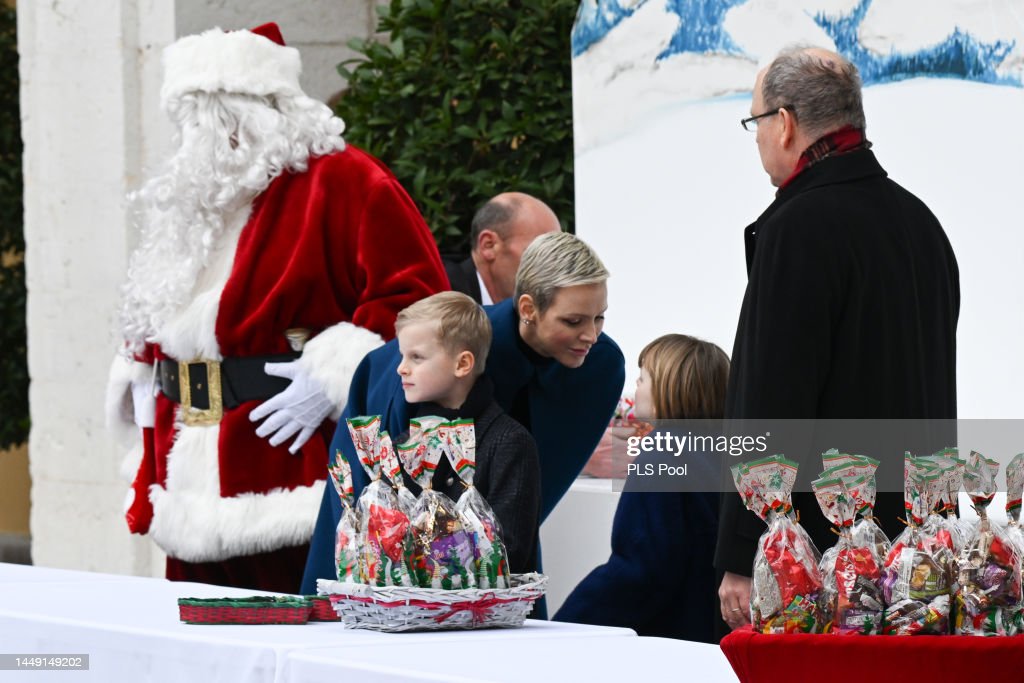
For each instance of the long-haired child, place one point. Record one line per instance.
(659, 580)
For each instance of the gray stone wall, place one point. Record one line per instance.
(320, 29)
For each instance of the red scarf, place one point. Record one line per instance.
(846, 139)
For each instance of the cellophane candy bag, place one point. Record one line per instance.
(858, 474)
(346, 544)
(412, 451)
(786, 579)
(1014, 490)
(1014, 532)
(442, 550)
(490, 558)
(918, 572)
(851, 572)
(989, 592)
(383, 558)
(950, 469)
(392, 470)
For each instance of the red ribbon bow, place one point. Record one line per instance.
(480, 608)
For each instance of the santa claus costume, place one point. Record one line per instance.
(265, 240)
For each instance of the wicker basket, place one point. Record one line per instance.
(254, 610)
(399, 608)
(322, 609)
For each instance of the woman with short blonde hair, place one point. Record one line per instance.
(554, 261)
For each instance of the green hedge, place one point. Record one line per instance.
(14, 420)
(465, 99)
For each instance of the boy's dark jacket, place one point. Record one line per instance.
(507, 471)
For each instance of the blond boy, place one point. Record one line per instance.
(443, 342)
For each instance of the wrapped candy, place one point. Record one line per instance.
(918, 576)
(989, 592)
(786, 579)
(383, 556)
(851, 600)
(442, 550)
(624, 409)
(346, 546)
(490, 558)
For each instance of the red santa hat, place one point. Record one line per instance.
(253, 62)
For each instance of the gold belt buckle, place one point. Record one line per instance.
(191, 415)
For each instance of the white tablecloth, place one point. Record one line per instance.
(617, 659)
(21, 573)
(129, 627)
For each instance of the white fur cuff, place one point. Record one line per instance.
(331, 358)
(119, 410)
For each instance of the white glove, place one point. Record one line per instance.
(144, 402)
(298, 409)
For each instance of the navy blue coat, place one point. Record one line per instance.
(566, 410)
(660, 579)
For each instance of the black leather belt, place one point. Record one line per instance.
(210, 386)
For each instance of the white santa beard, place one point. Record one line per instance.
(191, 332)
(185, 213)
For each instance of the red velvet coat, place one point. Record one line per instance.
(339, 249)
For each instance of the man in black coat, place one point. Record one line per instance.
(502, 228)
(852, 297)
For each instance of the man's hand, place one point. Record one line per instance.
(298, 409)
(734, 599)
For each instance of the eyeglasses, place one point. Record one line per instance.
(750, 124)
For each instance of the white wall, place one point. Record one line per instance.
(577, 537)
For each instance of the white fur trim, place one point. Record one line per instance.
(119, 412)
(236, 62)
(131, 461)
(331, 358)
(191, 522)
(193, 332)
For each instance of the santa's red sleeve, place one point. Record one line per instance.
(391, 258)
(138, 464)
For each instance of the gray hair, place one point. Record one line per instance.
(822, 94)
(494, 215)
(554, 261)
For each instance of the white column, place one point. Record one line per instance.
(89, 83)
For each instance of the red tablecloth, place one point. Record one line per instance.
(758, 658)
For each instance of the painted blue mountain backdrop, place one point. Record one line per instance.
(701, 30)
